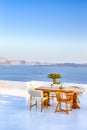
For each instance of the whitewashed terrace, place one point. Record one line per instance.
(15, 113)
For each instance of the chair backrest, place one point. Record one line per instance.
(69, 96)
(35, 93)
(32, 85)
(64, 96)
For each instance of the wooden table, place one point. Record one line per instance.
(76, 90)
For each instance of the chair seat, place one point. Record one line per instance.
(39, 99)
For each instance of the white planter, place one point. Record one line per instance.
(56, 85)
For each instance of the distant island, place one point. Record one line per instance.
(7, 62)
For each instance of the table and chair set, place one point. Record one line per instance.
(67, 98)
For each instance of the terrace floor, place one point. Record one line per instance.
(15, 115)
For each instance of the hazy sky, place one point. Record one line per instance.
(44, 30)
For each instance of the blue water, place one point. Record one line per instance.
(28, 73)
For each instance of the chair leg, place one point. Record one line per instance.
(57, 106)
(66, 108)
(41, 105)
(78, 100)
(30, 103)
(71, 106)
(46, 103)
(36, 103)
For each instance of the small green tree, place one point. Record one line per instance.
(54, 76)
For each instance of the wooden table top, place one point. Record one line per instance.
(74, 89)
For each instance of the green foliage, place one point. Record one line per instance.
(54, 76)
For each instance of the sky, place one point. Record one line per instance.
(44, 30)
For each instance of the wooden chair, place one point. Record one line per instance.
(37, 95)
(64, 97)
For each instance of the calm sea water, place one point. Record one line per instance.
(28, 73)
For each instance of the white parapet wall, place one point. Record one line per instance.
(12, 88)
(20, 88)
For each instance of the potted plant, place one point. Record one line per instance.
(55, 76)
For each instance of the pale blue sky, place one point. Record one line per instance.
(44, 30)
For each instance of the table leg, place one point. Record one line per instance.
(48, 95)
(75, 102)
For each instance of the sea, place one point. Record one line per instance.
(39, 73)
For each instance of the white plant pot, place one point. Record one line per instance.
(56, 85)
